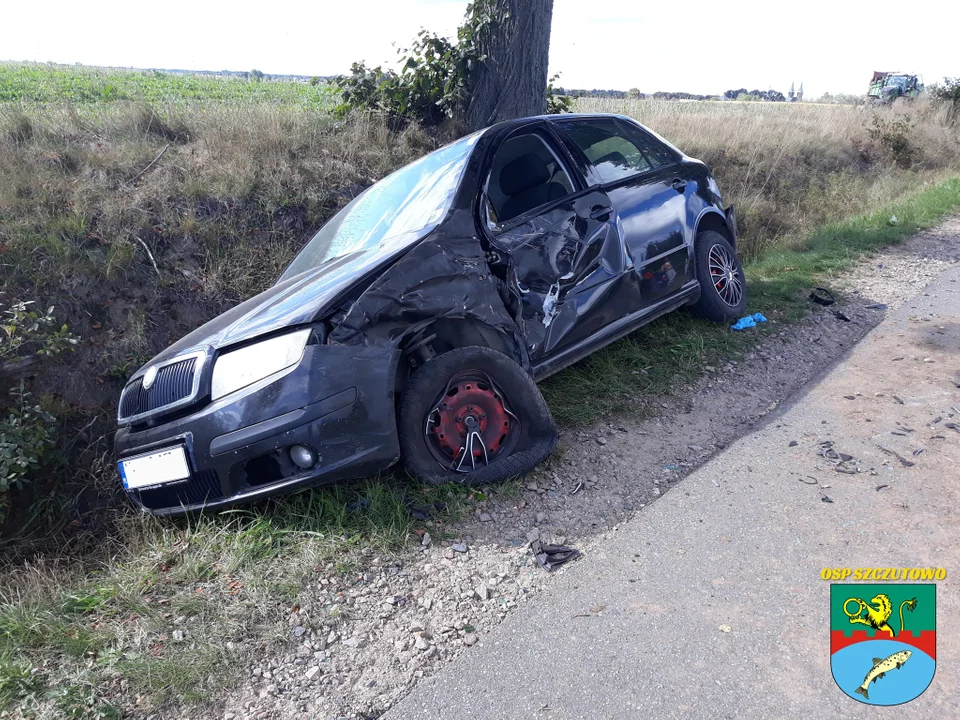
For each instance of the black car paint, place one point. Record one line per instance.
(469, 284)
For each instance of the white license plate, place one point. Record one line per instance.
(164, 466)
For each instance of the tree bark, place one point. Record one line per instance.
(512, 81)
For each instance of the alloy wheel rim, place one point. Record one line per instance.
(725, 274)
(470, 425)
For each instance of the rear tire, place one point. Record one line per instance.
(723, 289)
(474, 417)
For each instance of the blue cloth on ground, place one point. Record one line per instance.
(748, 322)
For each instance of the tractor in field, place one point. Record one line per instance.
(885, 87)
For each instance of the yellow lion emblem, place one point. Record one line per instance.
(877, 616)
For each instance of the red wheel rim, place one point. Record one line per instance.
(470, 425)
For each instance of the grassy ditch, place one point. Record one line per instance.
(171, 616)
(141, 206)
(180, 606)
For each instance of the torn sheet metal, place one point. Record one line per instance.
(441, 278)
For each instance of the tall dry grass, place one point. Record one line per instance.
(791, 167)
(139, 223)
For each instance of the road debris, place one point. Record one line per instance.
(552, 556)
(899, 400)
(826, 499)
(840, 315)
(822, 296)
(748, 322)
(901, 458)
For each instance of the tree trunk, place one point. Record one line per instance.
(512, 81)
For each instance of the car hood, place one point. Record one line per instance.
(296, 301)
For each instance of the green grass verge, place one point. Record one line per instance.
(187, 601)
(674, 350)
(50, 83)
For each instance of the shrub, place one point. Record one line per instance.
(433, 82)
(26, 429)
(557, 102)
(948, 93)
(26, 435)
(893, 134)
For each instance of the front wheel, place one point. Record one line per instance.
(723, 288)
(473, 416)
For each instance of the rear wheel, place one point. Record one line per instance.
(473, 416)
(723, 289)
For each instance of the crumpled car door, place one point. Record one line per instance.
(563, 264)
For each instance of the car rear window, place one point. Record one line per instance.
(402, 206)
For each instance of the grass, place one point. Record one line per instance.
(181, 605)
(87, 642)
(246, 172)
(48, 83)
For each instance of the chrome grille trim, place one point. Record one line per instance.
(177, 384)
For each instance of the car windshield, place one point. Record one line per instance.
(408, 203)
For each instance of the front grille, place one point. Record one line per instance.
(174, 382)
(203, 487)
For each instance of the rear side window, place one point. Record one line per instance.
(616, 151)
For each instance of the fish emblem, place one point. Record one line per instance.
(881, 666)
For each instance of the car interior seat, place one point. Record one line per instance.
(526, 182)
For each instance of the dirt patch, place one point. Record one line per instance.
(357, 647)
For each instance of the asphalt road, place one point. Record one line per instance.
(633, 629)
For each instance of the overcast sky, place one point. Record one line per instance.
(689, 45)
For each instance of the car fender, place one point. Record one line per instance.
(445, 277)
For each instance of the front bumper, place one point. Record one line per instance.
(339, 402)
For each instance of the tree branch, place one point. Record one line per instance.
(149, 255)
(152, 163)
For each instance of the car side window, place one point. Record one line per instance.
(608, 146)
(526, 174)
(656, 152)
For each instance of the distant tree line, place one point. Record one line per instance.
(759, 95)
(633, 94)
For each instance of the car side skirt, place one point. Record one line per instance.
(688, 294)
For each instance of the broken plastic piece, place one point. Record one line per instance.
(552, 556)
(822, 296)
(839, 315)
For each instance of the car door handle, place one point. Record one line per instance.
(600, 212)
(679, 185)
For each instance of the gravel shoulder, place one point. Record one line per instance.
(356, 649)
(709, 603)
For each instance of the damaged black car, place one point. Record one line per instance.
(414, 325)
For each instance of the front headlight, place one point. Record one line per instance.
(239, 368)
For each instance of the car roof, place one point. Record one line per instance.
(519, 122)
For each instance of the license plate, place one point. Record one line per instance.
(164, 466)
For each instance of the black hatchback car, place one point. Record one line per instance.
(415, 323)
